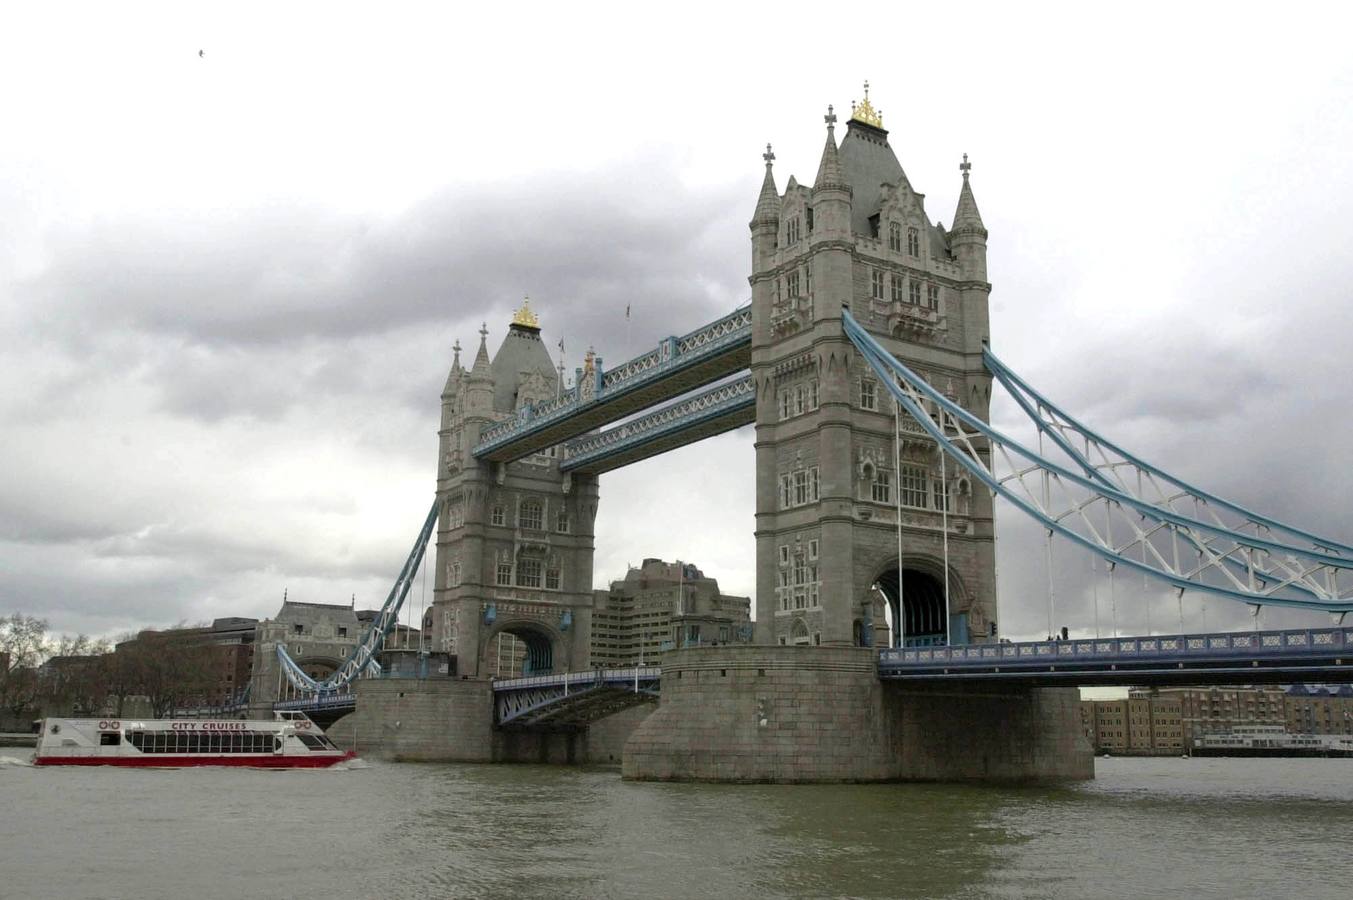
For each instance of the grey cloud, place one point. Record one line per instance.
(275, 273)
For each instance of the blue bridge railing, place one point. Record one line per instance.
(1236, 654)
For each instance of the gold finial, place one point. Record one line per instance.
(524, 317)
(864, 111)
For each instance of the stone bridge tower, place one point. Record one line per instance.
(514, 540)
(830, 486)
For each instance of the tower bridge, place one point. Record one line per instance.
(864, 361)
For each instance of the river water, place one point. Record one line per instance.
(1176, 828)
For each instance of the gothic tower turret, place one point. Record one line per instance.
(513, 588)
(839, 474)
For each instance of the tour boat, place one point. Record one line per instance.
(1271, 740)
(287, 742)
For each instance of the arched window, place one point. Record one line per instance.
(913, 242)
(894, 236)
(798, 633)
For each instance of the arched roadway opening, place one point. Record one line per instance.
(520, 648)
(916, 614)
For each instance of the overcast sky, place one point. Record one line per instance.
(230, 281)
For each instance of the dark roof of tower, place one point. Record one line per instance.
(522, 350)
(867, 161)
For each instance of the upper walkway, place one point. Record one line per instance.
(722, 408)
(676, 366)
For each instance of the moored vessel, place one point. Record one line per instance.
(1271, 740)
(281, 743)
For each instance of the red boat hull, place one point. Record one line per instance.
(170, 761)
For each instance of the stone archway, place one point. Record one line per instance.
(918, 614)
(516, 648)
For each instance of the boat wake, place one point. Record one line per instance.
(6, 761)
(352, 764)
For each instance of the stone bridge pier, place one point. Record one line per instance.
(815, 714)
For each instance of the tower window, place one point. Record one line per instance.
(792, 231)
(792, 285)
(912, 485)
(504, 573)
(895, 282)
(881, 489)
(809, 214)
(913, 242)
(496, 517)
(561, 521)
(894, 236)
(529, 516)
(552, 578)
(941, 491)
(528, 572)
(868, 394)
(786, 405)
(914, 292)
(933, 296)
(812, 394)
(876, 284)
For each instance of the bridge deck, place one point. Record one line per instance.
(1261, 657)
(572, 700)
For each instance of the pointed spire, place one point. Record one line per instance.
(966, 217)
(481, 359)
(768, 203)
(829, 170)
(454, 376)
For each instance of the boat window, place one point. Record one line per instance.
(110, 739)
(202, 741)
(312, 741)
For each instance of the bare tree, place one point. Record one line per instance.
(170, 670)
(72, 678)
(23, 646)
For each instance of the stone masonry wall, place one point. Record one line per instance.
(435, 719)
(451, 720)
(815, 714)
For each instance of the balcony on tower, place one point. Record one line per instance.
(912, 320)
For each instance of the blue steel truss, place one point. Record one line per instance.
(1085, 509)
(572, 699)
(710, 352)
(362, 660)
(1105, 461)
(720, 409)
(1315, 654)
